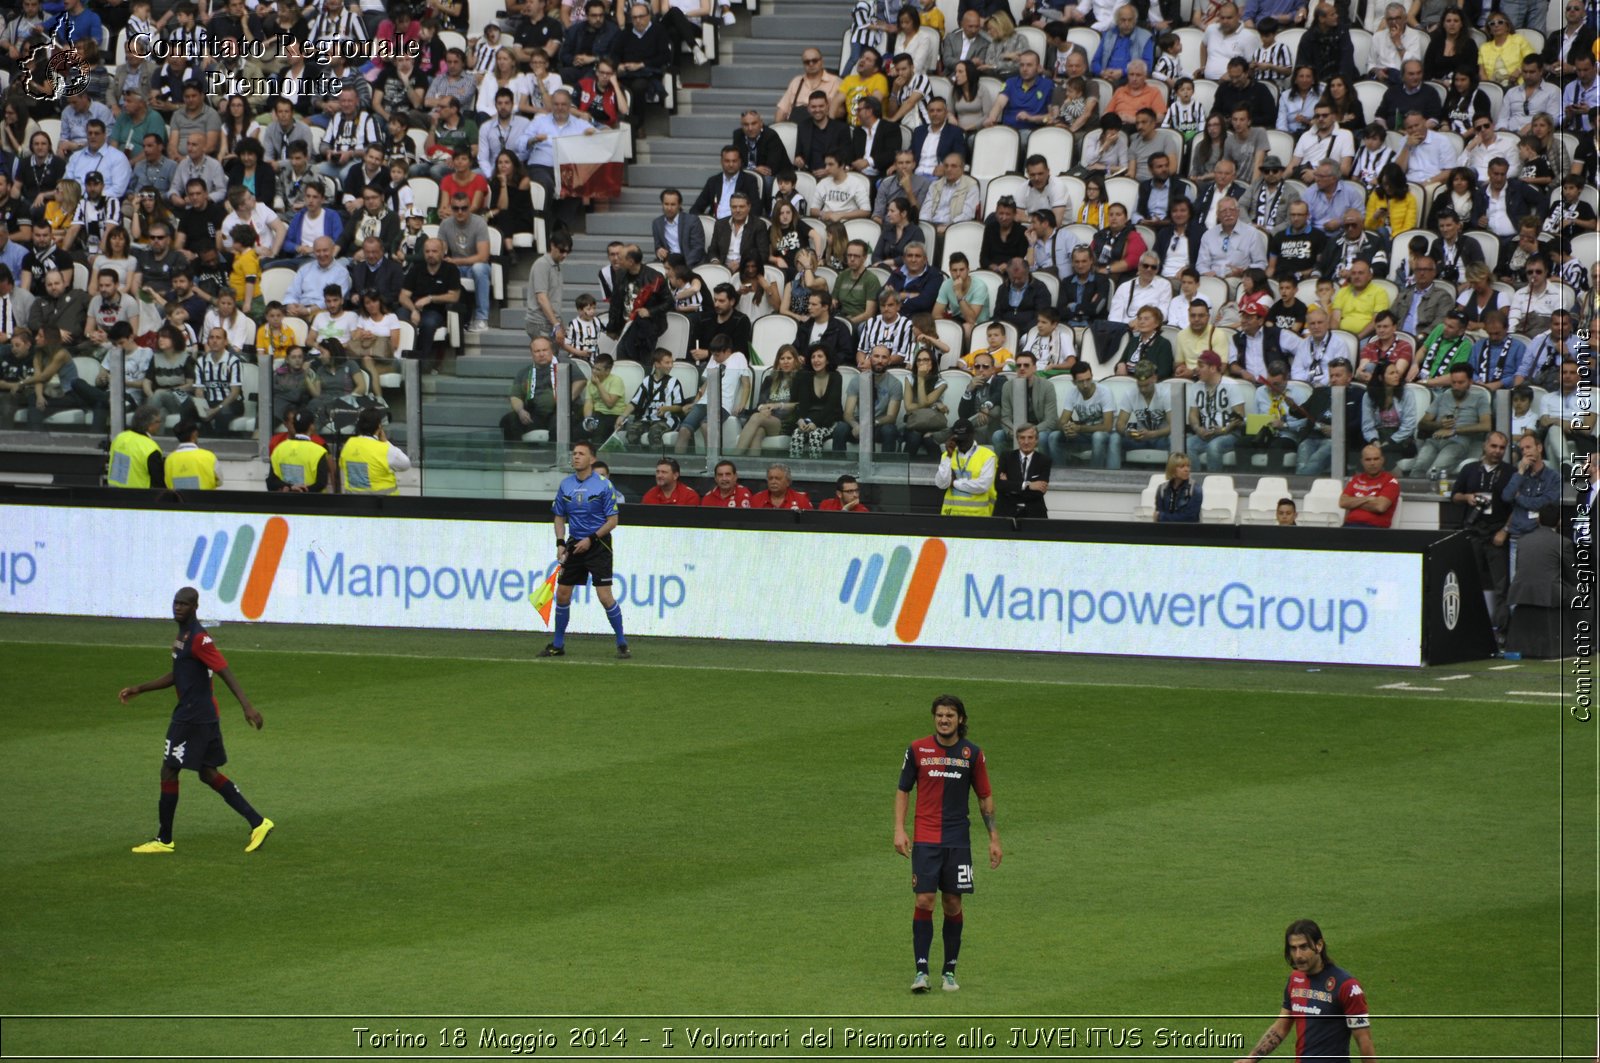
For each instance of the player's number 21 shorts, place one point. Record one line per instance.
(940, 869)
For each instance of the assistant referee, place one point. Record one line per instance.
(585, 509)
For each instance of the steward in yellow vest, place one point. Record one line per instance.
(966, 472)
(368, 462)
(135, 457)
(299, 463)
(191, 468)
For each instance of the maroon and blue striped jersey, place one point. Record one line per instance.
(194, 658)
(943, 776)
(1326, 1006)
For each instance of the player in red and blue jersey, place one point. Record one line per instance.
(1323, 1004)
(194, 738)
(944, 769)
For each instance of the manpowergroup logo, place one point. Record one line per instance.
(888, 578)
(226, 564)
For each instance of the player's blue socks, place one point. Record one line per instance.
(952, 942)
(922, 937)
(563, 612)
(169, 808)
(614, 614)
(230, 793)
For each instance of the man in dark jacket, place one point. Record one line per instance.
(1326, 47)
(1085, 295)
(1022, 478)
(716, 198)
(818, 136)
(760, 148)
(822, 329)
(640, 297)
(644, 55)
(1020, 298)
(586, 43)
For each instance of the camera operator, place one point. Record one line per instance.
(1479, 487)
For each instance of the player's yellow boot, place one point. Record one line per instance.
(155, 845)
(258, 834)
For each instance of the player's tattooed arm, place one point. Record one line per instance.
(1269, 1040)
(988, 819)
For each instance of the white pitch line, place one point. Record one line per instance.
(1503, 667)
(1535, 693)
(635, 665)
(1450, 678)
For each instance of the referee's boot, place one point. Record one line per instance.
(552, 650)
(155, 845)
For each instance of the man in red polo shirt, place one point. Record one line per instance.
(1369, 498)
(669, 490)
(729, 493)
(778, 494)
(846, 497)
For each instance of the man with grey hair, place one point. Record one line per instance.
(1395, 45)
(779, 493)
(1329, 198)
(644, 55)
(1228, 249)
(544, 131)
(1126, 44)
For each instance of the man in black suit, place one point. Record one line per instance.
(1575, 38)
(1327, 47)
(1022, 478)
(818, 136)
(716, 197)
(738, 237)
(874, 142)
(1020, 298)
(945, 133)
(1509, 196)
(688, 236)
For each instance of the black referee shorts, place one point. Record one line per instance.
(593, 566)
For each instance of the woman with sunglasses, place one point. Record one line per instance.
(1500, 57)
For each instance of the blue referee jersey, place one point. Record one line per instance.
(585, 504)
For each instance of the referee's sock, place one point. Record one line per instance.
(169, 808)
(230, 793)
(614, 614)
(922, 937)
(562, 613)
(952, 942)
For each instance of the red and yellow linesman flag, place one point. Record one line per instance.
(543, 595)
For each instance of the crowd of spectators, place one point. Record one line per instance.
(1296, 214)
(159, 158)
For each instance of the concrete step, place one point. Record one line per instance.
(495, 366)
(680, 147)
(783, 54)
(709, 126)
(759, 76)
(806, 27)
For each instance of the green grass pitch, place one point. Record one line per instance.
(705, 830)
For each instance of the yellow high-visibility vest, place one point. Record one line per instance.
(961, 503)
(296, 461)
(364, 466)
(191, 469)
(129, 465)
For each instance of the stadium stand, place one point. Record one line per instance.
(742, 78)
